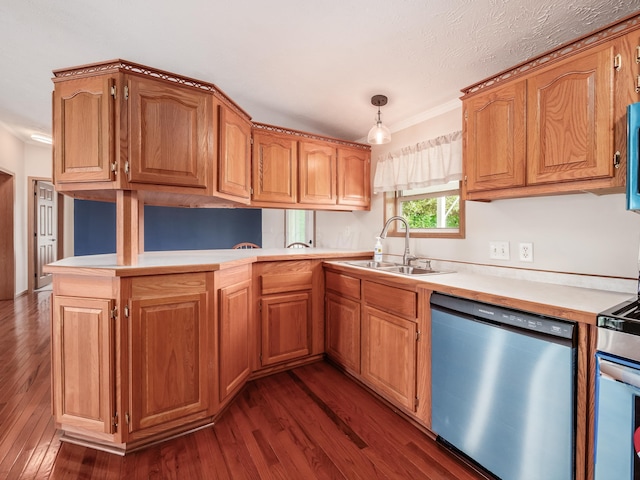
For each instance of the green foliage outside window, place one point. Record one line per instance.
(422, 214)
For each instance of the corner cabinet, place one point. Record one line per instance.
(550, 128)
(135, 361)
(123, 126)
(290, 311)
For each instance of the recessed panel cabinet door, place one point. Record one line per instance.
(343, 331)
(570, 116)
(169, 139)
(495, 139)
(317, 173)
(234, 166)
(83, 355)
(285, 327)
(235, 332)
(168, 359)
(275, 168)
(354, 179)
(83, 122)
(389, 355)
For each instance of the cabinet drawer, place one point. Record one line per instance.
(391, 299)
(285, 282)
(343, 284)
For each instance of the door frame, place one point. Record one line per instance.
(7, 233)
(31, 228)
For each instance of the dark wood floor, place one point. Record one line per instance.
(312, 422)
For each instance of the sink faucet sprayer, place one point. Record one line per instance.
(407, 257)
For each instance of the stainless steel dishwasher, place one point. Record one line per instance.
(503, 388)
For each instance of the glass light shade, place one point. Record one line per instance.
(379, 134)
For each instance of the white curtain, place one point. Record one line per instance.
(432, 162)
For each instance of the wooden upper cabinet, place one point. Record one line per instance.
(354, 178)
(84, 130)
(275, 168)
(495, 135)
(169, 139)
(317, 174)
(570, 116)
(625, 81)
(234, 158)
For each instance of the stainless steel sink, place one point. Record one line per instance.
(395, 268)
(370, 264)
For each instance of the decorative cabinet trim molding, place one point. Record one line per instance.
(563, 51)
(119, 65)
(311, 136)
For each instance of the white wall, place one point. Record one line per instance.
(580, 233)
(22, 160)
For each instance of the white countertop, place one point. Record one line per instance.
(191, 260)
(570, 302)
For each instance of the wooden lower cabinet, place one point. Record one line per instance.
(83, 356)
(168, 358)
(290, 310)
(389, 356)
(373, 332)
(285, 327)
(234, 311)
(342, 331)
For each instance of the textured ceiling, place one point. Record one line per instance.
(307, 65)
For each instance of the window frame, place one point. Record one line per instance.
(392, 207)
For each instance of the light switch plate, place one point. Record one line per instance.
(499, 250)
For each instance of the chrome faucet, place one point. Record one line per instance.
(407, 257)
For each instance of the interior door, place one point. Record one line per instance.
(45, 230)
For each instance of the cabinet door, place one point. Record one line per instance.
(389, 356)
(354, 179)
(343, 331)
(285, 327)
(234, 159)
(168, 134)
(570, 117)
(83, 355)
(495, 139)
(83, 122)
(168, 360)
(317, 175)
(275, 168)
(235, 315)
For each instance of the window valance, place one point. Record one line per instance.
(432, 162)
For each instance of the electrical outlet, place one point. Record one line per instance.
(499, 250)
(525, 251)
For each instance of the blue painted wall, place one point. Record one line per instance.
(166, 228)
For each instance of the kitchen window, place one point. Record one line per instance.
(421, 183)
(300, 226)
(436, 211)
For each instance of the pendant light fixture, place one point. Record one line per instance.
(379, 134)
